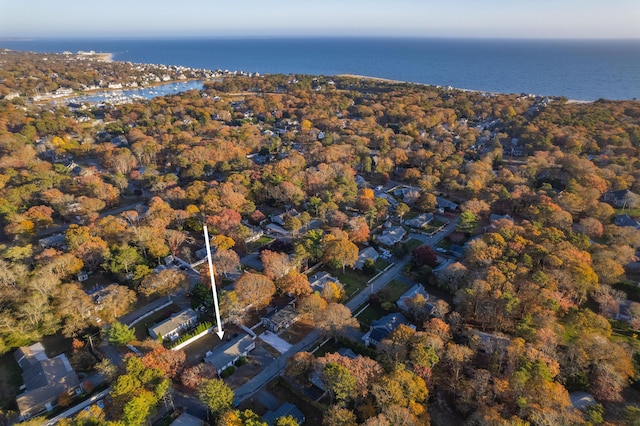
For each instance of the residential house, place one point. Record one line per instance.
(391, 236)
(497, 221)
(624, 311)
(319, 280)
(172, 327)
(626, 220)
(391, 200)
(582, 400)
(286, 409)
(226, 355)
(382, 328)
(54, 241)
(490, 342)
(421, 221)
(120, 140)
(363, 255)
(45, 379)
(410, 294)
(280, 318)
(282, 217)
(622, 198)
(445, 204)
(186, 419)
(347, 353)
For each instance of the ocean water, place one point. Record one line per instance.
(576, 69)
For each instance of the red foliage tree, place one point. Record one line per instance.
(424, 255)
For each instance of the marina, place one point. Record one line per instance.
(121, 96)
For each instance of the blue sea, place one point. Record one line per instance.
(576, 69)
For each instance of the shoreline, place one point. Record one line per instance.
(388, 80)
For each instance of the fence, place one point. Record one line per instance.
(193, 339)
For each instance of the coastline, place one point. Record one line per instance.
(98, 56)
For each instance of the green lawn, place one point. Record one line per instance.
(260, 242)
(630, 212)
(392, 291)
(369, 315)
(413, 244)
(327, 348)
(381, 264)
(353, 281)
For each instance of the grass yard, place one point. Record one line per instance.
(413, 244)
(330, 347)
(372, 313)
(630, 212)
(297, 331)
(259, 243)
(392, 291)
(381, 264)
(141, 327)
(352, 280)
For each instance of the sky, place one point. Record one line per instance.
(284, 18)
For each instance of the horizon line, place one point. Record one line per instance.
(294, 37)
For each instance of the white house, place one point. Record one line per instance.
(226, 355)
(410, 294)
(391, 236)
(421, 221)
(367, 253)
(171, 327)
(319, 281)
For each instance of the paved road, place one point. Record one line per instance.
(275, 368)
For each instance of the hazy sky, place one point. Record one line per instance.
(246, 18)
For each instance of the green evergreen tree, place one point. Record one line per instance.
(120, 334)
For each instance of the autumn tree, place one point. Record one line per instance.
(294, 283)
(358, 230)
(226, 261)
(339, 381)
(276, 265)
(254, 289)
(170, 362)
(341, 252)
(162, 283)
(424, 255)
(335, 320)
(216, 395)
(193, 377)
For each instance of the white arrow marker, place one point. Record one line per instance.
(220, 333)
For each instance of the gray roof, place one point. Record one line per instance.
(581, 400)
(386, 325)
(367, 253)
(44, 378)
(186, 419)
(169, 325)
(230, 351)
(412, 292)
(446, 204)
(319, 281)
(347, 352)
(286, 409)
(282, 315)
(392, 235)
(420, 221)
